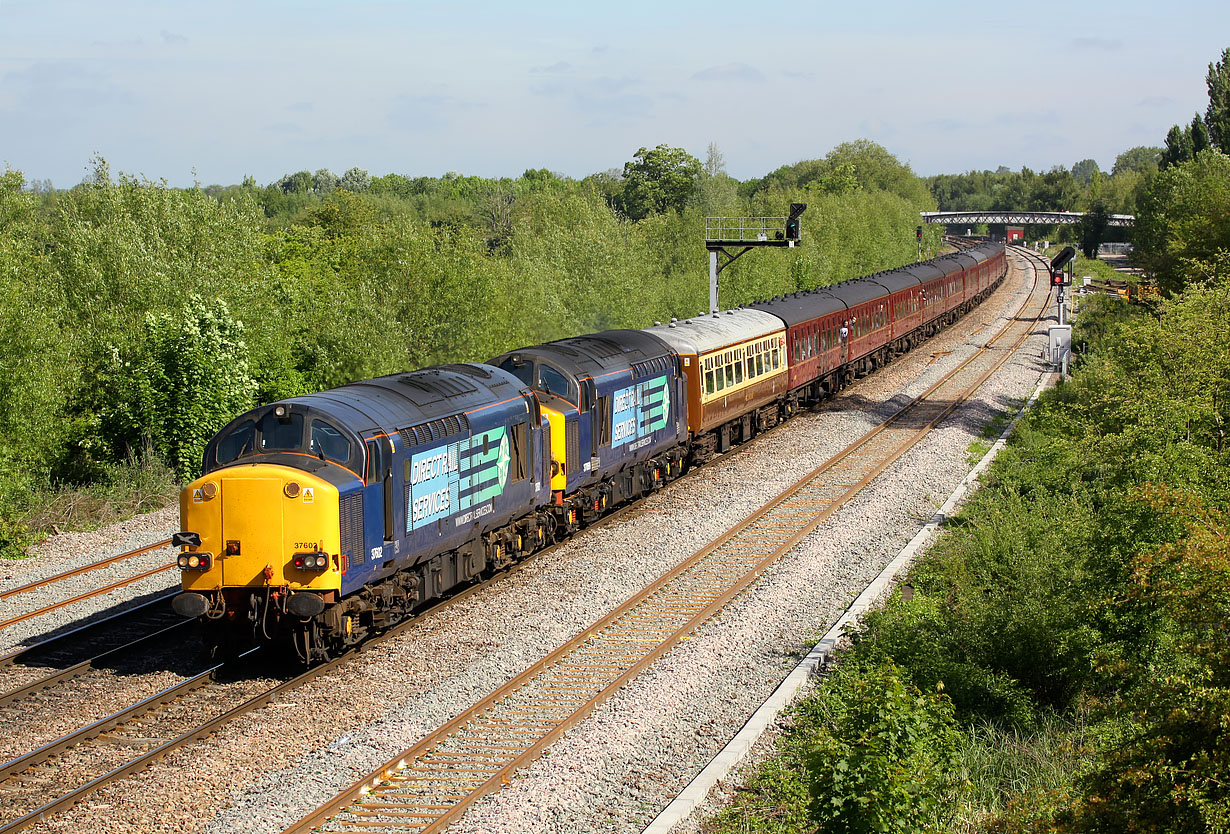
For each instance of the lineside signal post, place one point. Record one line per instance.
(1060, 279)
(1059, 336)
(748, 233)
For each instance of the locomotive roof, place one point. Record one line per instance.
(596, 353)
(716, 330)
(407, 399)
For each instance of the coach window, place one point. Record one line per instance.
(730, 373)
(738, 369)
(708, 382)
(239, 442)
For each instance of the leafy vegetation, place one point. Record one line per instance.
(138, 318)
(1073, 616)
(1072, 619)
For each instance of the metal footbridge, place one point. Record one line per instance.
(1019, 218)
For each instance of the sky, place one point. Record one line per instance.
(211, 92)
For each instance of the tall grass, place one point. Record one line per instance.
(136, 485)
(1006, 765)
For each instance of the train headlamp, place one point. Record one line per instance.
(291, 490)
(310, 561)
(195, 561)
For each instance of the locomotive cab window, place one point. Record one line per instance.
(551, 381)
(522, 369)
(329, 443)
(281, 434)
(516, 467)
(241, 441)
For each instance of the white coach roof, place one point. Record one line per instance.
(717, 330)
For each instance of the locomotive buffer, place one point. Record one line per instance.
(748, 233)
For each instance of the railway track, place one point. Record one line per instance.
(431, 785)
(95, 645)
(110, 733)
(107, 588)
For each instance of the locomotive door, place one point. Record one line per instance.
(378, 495)
(253, 538)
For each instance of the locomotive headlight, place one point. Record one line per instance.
(310, 561)
(291, 490)
(194, 561)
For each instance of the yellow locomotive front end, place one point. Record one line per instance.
(260, 542)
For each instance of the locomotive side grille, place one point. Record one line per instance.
(436, 429)
(352, 527)
(573, 447)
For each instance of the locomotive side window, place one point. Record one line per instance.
(604, 420)
(281, 434)
(239, 442)
(516, 467)
(328, 442)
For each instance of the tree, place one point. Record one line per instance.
(1199, 134)
(300, 183)
(717, 192)
(1085, 169)
(1093, 226)
(1168, 774)
(324, 182)
(188, 378)
(658, 179)
(1217, 117)
(1143, 159)
(1178, 147)
(1184, 217)
(355, 180)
